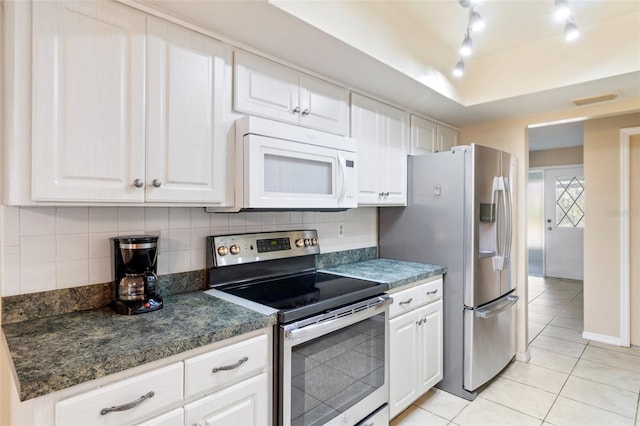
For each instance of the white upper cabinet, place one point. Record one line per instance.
(186, 149)
(428, 137)
(88, 101)
(382, 133)
(267, 89)
(126, 108)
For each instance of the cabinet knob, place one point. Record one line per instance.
(296, 110)
(157, 183)
(386, 194)
(138, 183)
(305, 112)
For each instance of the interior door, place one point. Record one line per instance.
(564, 222)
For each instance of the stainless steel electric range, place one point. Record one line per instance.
(331, 348)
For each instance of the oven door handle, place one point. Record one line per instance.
(337, 319)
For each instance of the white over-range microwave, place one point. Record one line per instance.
(281, 166)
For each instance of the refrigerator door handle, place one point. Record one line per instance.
(508, 222)
(499, 261)
(495, 308)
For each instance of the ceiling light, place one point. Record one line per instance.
(458, 71)
(465, 48)
(475, 21)
(571, 31)
(562, 9)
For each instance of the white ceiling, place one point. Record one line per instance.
(404, 50)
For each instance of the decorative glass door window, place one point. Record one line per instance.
(570, 202)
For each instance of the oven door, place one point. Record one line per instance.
(334, 367)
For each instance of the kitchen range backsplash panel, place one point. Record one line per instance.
(54, 248)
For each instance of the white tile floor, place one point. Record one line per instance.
(569, 381)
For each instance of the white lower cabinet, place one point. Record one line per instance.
(226, 383)
(415, 339)
(246, 403)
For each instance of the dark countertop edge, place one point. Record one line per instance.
(403, 282)
(46, 384)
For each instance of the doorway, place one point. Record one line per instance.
(564, 198)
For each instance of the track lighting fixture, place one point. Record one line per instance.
(562, 11)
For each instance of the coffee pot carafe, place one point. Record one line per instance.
(135, 280)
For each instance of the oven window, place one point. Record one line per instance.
(334, 372)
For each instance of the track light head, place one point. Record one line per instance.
(467, 44)
(476, 23)
(562, 10)
(458, 70)
(571, 31)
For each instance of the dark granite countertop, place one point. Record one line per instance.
(396, 273)
(57, 352)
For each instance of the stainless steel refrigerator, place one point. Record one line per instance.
(459, 214)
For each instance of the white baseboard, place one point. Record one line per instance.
(523, 356)
(602, 338)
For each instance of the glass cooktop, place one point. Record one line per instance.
(302, 295)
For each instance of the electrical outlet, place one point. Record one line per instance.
(341, 230)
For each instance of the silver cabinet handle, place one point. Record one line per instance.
(129, 405)
(432, 292)
(296, 110)
(157, 183)
(422, 321)
(380, 194)
(306, 112)
(386, 194)
(232, 366)
(405, 302)
(138, 183)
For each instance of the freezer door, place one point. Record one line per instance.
(482, 280)
(489, 340)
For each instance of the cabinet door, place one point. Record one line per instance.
(88, 101)
(246, 403)
(186, 142)
(172, 418)
(366, 129)
(430, 358)
(265, 89)
(396, 143)
(447, 138)
(324, 106)
(423, 136)
(403, 362)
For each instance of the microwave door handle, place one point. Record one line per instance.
(343, 175)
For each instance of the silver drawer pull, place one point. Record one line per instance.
(129, 405)
(406, 301)
(432, 292)
(232, 366)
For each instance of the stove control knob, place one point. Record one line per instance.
(314, 241)
(223, 250)
(307, 242)
(235, 249)
(299, 243)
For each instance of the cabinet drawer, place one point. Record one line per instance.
(172, 418)
(226, 366)
(430, 292)
(404, 301)
(159, 388)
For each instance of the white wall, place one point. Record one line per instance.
(47, 248)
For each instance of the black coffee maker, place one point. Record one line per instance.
(135, 280)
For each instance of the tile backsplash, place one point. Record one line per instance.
(47, 248)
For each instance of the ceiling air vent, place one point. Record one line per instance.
(594, 99)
